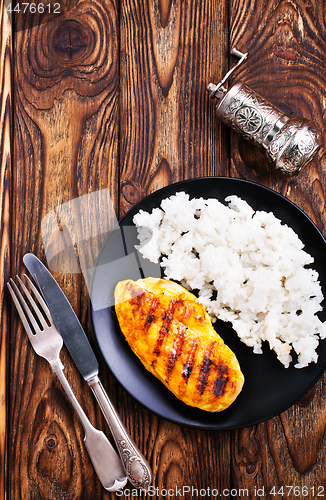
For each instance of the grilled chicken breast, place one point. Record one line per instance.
(173, 337)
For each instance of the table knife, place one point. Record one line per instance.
(136, 467)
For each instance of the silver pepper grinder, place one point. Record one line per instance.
(289, 142)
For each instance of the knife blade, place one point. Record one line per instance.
(136, 467)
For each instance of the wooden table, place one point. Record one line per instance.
(111, 95)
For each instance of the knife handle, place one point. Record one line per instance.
(135, 464)
(104, 458)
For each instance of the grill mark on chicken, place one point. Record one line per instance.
(174, 339)
(134, 290)
(151, 315)
(136, 301)
(176, 351)
(221, 380)
(189, 364)
(205, 369)
(165, 328)
(164, 331)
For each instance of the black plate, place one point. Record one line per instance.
(269, 387)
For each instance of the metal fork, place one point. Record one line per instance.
(47, 342)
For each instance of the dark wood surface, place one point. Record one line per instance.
(111, 95)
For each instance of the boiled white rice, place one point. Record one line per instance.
(249, 268)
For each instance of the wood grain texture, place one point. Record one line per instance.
(6, 61)
(66, 148)
(110, 100)
(286, 64)
(169, 52)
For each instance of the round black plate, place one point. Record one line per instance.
(269, 387)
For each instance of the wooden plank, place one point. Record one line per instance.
(285, 65)
(5, 212)
(170, 51)
(66, 148)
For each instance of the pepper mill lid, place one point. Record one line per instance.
(289, 142)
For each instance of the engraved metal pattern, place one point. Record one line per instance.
(281, 139)
(133, 465)
(248, 119)
(306, 143)
(294, 146)
(234, 106)
(249, 113)
(289, 142)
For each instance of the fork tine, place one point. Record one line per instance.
(35, 307)
(40, 300)
(12, 285)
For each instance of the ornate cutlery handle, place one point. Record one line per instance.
(105, 460)
(136, 466)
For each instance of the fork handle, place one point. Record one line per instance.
(104, 458)
(135, 464)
